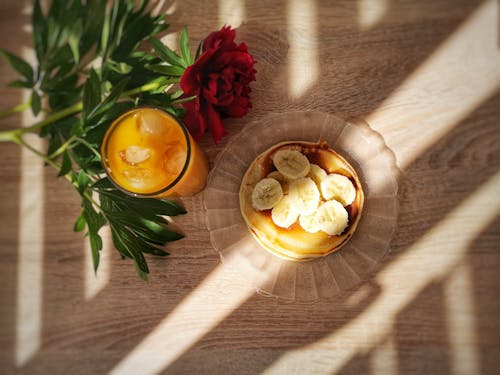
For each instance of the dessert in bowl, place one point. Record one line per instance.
(301, 200)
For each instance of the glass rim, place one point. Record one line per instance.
(109, 131)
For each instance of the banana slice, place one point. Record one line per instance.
(339, 187)
(284, 213)
(332, 218)
(284, 182)
(317, 174)
(309, 223)
(266, 194)
(291, 163)
(305, 195)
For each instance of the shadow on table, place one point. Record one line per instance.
(430, 188)
(424, 326)
(99, 333)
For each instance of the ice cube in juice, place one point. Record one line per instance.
(147, 152)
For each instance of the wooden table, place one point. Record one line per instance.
(424, 74)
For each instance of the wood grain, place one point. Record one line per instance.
(366, 331)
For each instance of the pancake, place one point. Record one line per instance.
(294, 242)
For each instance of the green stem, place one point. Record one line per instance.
(15, 134)
(183, 100)
(75, 108)
(38, 153)
(9, 136)
(16, 109)
(144, 88)
(63, 147)
(89, 146)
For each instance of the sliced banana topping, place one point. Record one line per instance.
(266, 194)
(304, 192)
(305, 195)
(309, 223)
(339, 187)
(291, 163)
(284, 213)
(317, 174)
(284, 182)
(332, 218)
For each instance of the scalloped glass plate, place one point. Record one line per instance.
(321, 278)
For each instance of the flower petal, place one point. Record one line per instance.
(194, 120)
(215, 124)
(224, 38)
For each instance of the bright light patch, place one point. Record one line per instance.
(210, 303)
(371, 12)
(31, 239)
(160, 5)
(231, 12)
(461, 321)
(303, 58)
(95, 282)
(445, 89)
(384, 358)
(471, 216)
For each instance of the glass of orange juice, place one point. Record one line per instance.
(147, 152)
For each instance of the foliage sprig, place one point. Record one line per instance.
(96, 59)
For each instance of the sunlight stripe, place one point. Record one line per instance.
(31, 245)
(384, 358)
(462, 73)
(96, 282)
(303, 54)
(211, 302)
(231, 12)
(395, 296)
(461, 322)
(371, 12)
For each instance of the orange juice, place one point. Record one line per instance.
(148, 152)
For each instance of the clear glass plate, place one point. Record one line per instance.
(321, 278)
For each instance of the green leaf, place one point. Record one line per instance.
(184, 45)
(66, 164)
(166, 54)
(176, 94)
(169, 70)
(60, 85)
(121, 68)
(39, 31)
(93, 16)
(146, 207)
(67, 39)
(169, 208)
(153, 250)
(80, 223)
(111, 99)
(91, 94)
(36, 102)
(74, 40)
(126, 245)
(94, 222)
(20, 84)
(81, 180)
(105, 35)
(95, 247)
(20, 65)
(184, 100)
(198, 51)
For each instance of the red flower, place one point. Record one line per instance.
(220, 79)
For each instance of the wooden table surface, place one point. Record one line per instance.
(424, 74)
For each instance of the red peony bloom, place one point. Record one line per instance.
(220, 79)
